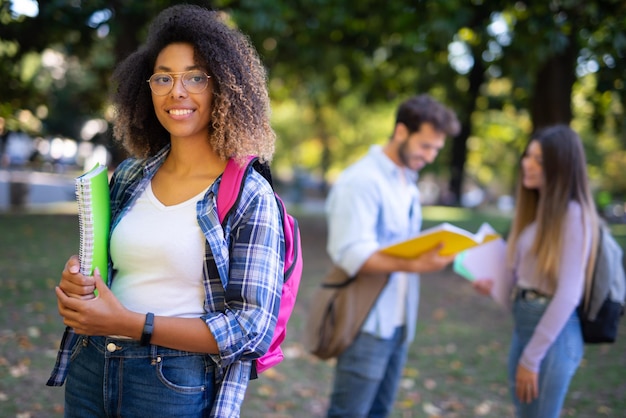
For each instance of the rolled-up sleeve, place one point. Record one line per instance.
(243, 327)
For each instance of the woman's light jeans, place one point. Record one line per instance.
(557, 367)
(120, 378)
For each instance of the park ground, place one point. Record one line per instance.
(456, 366)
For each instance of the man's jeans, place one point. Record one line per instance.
(557, 367)
(367, 376)
(117, 377)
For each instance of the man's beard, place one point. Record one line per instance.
(403, 155)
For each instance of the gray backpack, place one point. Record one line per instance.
(603, 303)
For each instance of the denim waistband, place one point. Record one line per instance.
(122, 347)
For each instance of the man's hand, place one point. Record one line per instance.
(431, 261)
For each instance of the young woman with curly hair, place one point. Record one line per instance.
(550, 251)
(191, 303)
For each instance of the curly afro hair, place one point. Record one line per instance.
(241, 110)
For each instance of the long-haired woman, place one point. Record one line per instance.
(549, 250)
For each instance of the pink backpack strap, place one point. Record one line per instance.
(230, 186)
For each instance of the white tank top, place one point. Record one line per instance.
(158, 252)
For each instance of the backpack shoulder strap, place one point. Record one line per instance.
(228, 194)
(230, 187)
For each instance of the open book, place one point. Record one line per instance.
(94, 217)
(453, 238)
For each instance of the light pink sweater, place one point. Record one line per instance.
(566, 297)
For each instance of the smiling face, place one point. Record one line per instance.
(532, 167)
(420, 148)
(182, 114)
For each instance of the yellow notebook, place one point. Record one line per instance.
(94, 218)
(454, 240)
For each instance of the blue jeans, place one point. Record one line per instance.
(367, 376)
(557, 367)
(120, 378)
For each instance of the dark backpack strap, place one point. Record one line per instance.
(253, 372)
(264, 170)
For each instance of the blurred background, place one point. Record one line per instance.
(337, 71)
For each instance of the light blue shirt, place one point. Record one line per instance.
(375, 203)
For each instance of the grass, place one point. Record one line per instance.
(456, 367)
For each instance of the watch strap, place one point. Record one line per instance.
(148, 327)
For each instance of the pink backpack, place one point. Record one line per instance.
(227, 196)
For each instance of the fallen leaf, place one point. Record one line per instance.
(33, 332)
(439, 314)
(430, 384)
(19, 370)
(407, 384)
(431, 410)
(266, 391)
(484, 408)
(456, 365)
(411, 372)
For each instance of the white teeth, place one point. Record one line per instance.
(180, 112)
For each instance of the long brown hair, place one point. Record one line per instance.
(565, 180)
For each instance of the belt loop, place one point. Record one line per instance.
(154, 355)
(515, 293)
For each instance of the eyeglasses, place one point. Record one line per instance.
(193, 81)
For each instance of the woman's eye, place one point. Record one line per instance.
(195, 78)
(164, 79)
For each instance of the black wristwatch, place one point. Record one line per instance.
(148, 326)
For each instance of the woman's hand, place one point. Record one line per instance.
(526, 384)
(483, 286)
(101, 315)
(73, 283)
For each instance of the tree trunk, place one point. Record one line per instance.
(459, 143)
(551, 101)
(322, 132)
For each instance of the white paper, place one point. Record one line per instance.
(484, 231)
(487, 261)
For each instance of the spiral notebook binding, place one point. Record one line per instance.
(85, 222)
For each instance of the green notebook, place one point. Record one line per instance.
(94, 219)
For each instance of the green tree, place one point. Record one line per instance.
(329, 55)
(338, 69)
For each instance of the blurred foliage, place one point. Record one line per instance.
(339, 69)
